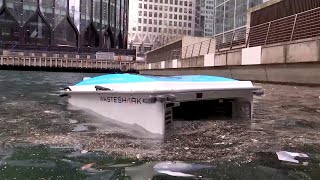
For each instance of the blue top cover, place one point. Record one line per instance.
(132, 78)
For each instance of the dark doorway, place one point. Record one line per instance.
(37, 31)
(9, 29)
(66, 34)
(91, 37)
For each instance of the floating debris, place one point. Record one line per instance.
(80, 128)
(84, 151)
(87, 166)
(292, 156)
(178, 166)
(177, 174)
(71, 121)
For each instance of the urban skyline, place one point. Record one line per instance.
(155, 22)
(86, 23)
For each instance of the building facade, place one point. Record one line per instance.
(157, 22)
(222, 16)
(76, 23)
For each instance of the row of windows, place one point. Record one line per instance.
(165, 8)
(173, 2)
(232, 14)
(165, 22)
(165, 15)
(160, 30)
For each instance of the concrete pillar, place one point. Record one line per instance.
(175, 63)
(251, 56)
(209, 59)
(163, 64)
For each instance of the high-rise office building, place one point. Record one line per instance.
(222, 16)
(156, 22)
(85, 23)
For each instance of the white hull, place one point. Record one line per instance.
(124, 108)
(149, 104)
(131, 108)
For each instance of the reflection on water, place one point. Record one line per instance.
(285, 118)
(44, 162)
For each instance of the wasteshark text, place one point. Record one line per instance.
(130, 100)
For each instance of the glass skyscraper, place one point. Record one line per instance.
(221, 16)
(77, 23)
(156, 22)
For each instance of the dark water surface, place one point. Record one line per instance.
(42, 137)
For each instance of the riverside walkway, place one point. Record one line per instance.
(65, 63)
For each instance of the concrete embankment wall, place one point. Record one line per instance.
(298, 73)
(306, 50)
(293, 62)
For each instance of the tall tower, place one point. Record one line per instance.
(223, 16)
(153, 23)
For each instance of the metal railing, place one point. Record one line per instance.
(62, 62)
(193, 50)
(63, 49)
(299, 26)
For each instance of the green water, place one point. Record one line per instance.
(44, 162)
(42, 138)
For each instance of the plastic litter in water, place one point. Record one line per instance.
(291, 156)
(178, 174)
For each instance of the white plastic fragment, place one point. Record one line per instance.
(83, 151)
(290, 156)
(177, 174)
